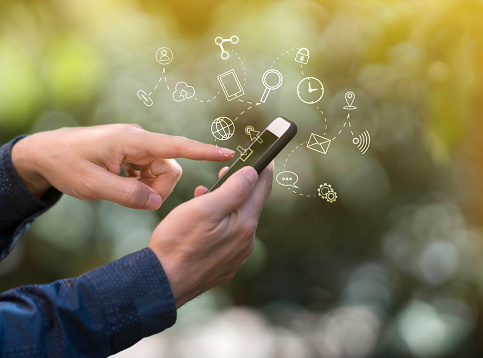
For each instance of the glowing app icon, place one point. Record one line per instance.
(318, 143)
(363, 142)
(182, 92)
(302, 56)
(231, 85)
(143, 96)
(164, 56)
(287, 179)
(271, 87)
(220, 41)
(253, 134)
(245, 153)
(310, 90)
(223, 128)
(350, 98)
(325, 191)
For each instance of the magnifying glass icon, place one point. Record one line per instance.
(268, 87)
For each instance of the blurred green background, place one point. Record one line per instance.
(393, 268)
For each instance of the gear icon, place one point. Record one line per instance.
(326, 192)
(331, 196)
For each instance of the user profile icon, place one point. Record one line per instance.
(164, 56)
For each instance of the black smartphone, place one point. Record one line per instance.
(264, 148)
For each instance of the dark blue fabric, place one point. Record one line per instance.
(18, 207)
(95, 315)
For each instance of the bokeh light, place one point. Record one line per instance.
(393, 268)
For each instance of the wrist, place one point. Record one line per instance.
(180, 285)
(27, 169)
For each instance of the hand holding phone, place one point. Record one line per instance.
(264, 148)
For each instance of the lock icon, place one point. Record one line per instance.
(302, 56)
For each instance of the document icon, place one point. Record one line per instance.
(318, 143)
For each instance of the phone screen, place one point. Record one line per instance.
(250, 156)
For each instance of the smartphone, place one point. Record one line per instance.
(263, 149)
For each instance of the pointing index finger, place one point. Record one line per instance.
(170, 147)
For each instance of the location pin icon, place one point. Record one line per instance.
(350, 98)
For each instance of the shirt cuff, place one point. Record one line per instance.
(19, 207)
(24, 203)
(135, 296)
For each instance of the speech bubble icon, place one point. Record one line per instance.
(288, 179)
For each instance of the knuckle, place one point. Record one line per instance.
(124, 127)
(176, 169)
(132, 195)
(176, 142)
(248, 229)
(250, 248)
(136, 125)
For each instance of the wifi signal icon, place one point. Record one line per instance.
(363, 142)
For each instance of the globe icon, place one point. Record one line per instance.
(223, 128)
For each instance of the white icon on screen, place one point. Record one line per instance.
(231, 85)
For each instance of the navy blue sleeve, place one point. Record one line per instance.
(95, 315)
(18, 207)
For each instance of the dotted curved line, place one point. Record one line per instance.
(283, 54)
(285, 164)
(325, 120)
(243, 66)
(207, 100)
(248, 102)
(302, 69)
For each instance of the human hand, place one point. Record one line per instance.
(202, 243)
(85, 162)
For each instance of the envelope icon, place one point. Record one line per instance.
(318, 143)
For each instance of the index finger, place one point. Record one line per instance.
(171, 147)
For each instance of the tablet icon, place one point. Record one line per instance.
(231, 85)
(220, 41)
(182, 92)
(245, 153)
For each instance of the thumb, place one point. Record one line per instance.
(127, 192)
(233, 193)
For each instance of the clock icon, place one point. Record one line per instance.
(310, 90)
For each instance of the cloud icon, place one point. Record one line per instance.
(183, 92)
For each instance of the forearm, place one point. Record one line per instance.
(95, 315)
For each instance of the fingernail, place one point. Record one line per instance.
(251, 174)
(154, 202)
(227, 152)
